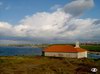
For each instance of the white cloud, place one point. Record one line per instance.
(56, 25)
(6, 28)
(55, 7)
(47, 23)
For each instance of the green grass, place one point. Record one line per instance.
(91, 47)
(46, 65)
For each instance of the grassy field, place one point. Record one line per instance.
(46, 65)
(91, 47)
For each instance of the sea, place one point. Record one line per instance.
(19, 51)
(30, 51)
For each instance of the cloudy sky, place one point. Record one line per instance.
(49, 21)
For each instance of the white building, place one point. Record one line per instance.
(65, 51)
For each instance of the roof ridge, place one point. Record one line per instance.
(63, 48)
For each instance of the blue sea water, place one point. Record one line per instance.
(94, 56)
(19, 51)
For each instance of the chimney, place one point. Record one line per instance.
(77, 45)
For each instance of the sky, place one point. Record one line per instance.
(49, 21)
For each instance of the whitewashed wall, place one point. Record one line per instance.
(61, 54)
(82, 54)
(70, 55)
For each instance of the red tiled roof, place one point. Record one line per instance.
(63, 48)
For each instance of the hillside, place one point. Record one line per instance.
(46, 65)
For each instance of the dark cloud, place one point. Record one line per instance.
(97, 22)
(77, 7)
(71, 27)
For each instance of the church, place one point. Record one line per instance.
(65, 51)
